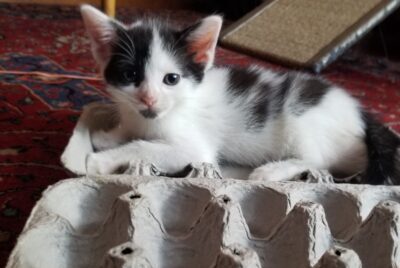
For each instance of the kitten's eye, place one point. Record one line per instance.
(129, 76)
(171, 79)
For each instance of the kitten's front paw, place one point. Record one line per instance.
(73, 161)
(270, 172)
(260, 174)
(280, 170)
(102, 140)
(100, 164)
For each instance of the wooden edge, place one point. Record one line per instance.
(353, 34)
(52, 2)
(109, 7)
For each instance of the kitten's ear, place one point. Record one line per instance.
(202, 40)
(101, 32)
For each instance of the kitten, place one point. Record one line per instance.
(176, 108)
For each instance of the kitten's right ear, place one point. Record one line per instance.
(202, 40)
(101, 32)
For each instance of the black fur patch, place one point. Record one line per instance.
(241, 81)
(259, 111)
(311, 92)
(281, 93)
(176, 42)
(383, 153)
(269, 100)
(130, 52)
(148, 114)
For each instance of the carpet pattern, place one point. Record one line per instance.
(36, 119)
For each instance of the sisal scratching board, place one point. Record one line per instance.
(305, 33)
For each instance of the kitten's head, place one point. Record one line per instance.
(152, 67)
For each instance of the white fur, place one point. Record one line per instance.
(74, 155)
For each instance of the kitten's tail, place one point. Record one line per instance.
(383, 147)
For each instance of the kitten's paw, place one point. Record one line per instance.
(100, 164)
(266, 173)
(73, 161)
(79, 146)
(278, 171)
(102, 140)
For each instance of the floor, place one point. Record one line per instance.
(37, 117)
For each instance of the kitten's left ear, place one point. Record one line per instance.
(101, 32)
(202, 40)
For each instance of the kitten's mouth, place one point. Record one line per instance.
(148, 113)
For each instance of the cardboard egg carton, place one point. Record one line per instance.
(141, 220)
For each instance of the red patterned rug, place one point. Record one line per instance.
(37, 118)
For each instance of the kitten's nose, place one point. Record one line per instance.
(148, 100)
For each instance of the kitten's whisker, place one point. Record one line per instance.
(127, 51)
(123, 97)
(128, 47)
(130, 40)
(124, 57)
(128, 62)
(178, 40)
(125, 46)
(117, 101)
(121, 54)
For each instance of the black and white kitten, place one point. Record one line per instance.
(176, 108)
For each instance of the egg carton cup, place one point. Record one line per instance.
(143, 220)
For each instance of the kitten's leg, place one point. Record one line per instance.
(104, 140)
(280, 170)
(166, 157)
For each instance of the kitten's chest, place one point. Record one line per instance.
(144, 132)
(131, 129)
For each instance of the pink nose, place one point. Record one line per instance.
(148, 100)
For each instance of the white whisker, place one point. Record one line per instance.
(125, 58)
(131, 41)
(127, 51)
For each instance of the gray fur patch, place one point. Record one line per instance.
(259, 110)
(148, 114)
(281, 94)
(241, 81)
(268, 100)
(310, 93)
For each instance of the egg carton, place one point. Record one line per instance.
(142, 220)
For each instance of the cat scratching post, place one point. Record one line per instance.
(306, 33)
